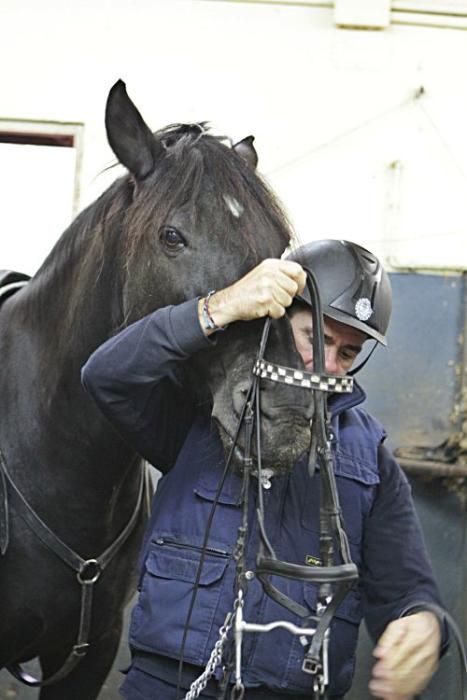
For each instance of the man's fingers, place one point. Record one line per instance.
(295, 272)
(275, 310)
(407, 654)
(268, 289)
(384, 691)
(282, 296)
(276, 282)
(286, 274)
(391, 637)
(288, 285)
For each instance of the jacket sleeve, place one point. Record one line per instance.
(397, 574)
(134, 380)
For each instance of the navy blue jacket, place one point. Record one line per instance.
(136, 380)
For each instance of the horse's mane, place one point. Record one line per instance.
(85, 240)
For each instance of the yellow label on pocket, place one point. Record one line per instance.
(312, 561)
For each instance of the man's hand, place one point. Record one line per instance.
(407, 655)
(267, 290)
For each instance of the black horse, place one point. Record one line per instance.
(190, 216)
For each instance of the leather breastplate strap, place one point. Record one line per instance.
(88, 571)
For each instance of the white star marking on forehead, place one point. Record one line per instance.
(233, 205)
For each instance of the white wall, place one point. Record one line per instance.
(340, 134)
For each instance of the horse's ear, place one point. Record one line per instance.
(130, 138)
(247, 151)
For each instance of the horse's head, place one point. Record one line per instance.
(200, 218)
(285, 411)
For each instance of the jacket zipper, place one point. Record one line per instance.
(161, 541)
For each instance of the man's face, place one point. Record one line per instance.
(342, 342)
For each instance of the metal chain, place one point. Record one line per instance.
(215, 659)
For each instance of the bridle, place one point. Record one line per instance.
(88, 571)
(314, 631)
(334, 580)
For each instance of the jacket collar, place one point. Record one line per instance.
(338, 403)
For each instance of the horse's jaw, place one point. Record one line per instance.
(285, 410)
(283, 440)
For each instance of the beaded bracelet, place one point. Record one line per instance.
(208, 320)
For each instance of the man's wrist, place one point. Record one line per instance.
(414, 608)
(438, 614)
(212, 313)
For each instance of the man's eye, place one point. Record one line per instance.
(349, 355)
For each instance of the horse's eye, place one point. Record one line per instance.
(172, 239)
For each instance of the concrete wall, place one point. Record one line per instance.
(345, 134)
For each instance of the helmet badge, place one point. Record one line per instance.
(363, 309)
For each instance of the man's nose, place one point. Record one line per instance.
(332, 361)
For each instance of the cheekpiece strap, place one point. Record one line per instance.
(300, 378)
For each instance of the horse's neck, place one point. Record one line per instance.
(73, 302)
(65, 322)
(47, 333)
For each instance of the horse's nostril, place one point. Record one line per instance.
(240, 393)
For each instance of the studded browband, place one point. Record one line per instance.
(306, 380)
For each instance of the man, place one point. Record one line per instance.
(395, 576)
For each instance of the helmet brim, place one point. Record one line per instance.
(348, 320)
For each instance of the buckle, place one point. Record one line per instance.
(89, 572)
(310, 666)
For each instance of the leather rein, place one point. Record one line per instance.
(334, 581)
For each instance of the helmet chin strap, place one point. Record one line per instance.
(363, 362)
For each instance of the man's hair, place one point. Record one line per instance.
(297, 305)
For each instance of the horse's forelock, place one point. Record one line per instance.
(176, 135)
(195, 162)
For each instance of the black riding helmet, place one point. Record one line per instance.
(354, 287)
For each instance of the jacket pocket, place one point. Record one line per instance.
(356, 489)
(208, 484)
(161, 614)
(226, 504)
